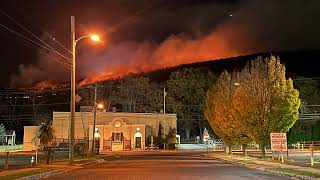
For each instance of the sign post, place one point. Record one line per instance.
(279, 143)
(37, 142)
(6, 164)
(312, 155)
(206, 138)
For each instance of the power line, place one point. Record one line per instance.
(26, 38)
(66, 65)
(47, 45)
(60, 44)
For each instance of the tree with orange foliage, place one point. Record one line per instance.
(273, 103)
(253, 103)
(225, 107)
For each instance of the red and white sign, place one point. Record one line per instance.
(278, 141)
(37, 141)
(206, 136)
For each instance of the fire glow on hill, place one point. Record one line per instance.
(253, 27)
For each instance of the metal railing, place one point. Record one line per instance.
(307, 145)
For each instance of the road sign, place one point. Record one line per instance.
(78, 98)
(206, 136)
(278, 141)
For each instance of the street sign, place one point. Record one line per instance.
(78, 98)
(205, 135)
(278, 141)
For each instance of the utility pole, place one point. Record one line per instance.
(94, 116)
(164, 112)
(73, 92)
(164, 100)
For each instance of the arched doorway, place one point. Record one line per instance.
(137, 139)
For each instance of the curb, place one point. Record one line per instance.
(265, 169)
(289, 174)
(42, 175)
(93, 162)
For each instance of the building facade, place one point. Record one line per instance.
(115, 131)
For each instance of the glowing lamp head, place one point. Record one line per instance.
(237, 84)
(95, 38)
(100, 106)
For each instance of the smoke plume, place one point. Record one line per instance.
(251, 27)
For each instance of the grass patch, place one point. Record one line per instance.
(14, 148)
(24, 174)
(297, 172)
(316, 164)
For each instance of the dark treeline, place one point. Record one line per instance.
(186, 87)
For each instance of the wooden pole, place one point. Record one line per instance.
(282, 160)
(6, 165)
(312, 154)
(72, 93)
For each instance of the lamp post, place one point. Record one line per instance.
(95, 107)
(73, 86)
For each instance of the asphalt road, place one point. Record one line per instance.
(164, 166)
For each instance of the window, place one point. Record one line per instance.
(117, 136)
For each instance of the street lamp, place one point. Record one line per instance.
(73, 85)
(100, 106)
(95, 38)
(95, 107)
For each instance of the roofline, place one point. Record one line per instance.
(119, 113)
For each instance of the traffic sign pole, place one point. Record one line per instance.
(37, 155)
(37, 146)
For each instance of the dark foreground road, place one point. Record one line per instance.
(163, 166)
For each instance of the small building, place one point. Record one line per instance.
(10, 137)
(117, 131)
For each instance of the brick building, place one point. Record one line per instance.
(117, 130)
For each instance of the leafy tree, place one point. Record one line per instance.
(225, 107)
(134, 93)
(2, 133)
(303, 131)
(271, 99)
(263, 101)
(186, 94)
(309, 90)
(160, 138)
(45, 133)
(170, 139)
(171, 136)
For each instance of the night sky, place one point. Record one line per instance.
(144, 35)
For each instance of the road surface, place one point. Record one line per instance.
(164, 166)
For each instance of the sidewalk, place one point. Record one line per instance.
(62, 165)
(265, 165)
